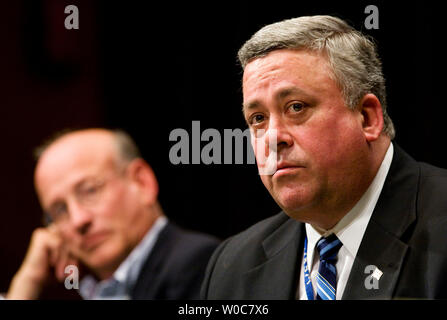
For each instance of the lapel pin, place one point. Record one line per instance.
(377, 274)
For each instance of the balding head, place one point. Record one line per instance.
(124, 147)
(90, 147)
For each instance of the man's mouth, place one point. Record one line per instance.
(284, 168)
(93, 240)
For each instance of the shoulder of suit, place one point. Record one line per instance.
(188, 238)
(252, 238)
(431, 212)
(264, 227)
(432, 183)
(428, 170)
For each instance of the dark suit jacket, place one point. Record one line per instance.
(176, 265)
(406, 238)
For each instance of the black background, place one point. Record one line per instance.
(150, 68)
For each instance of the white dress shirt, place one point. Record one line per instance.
(349, 230)
(128, 271)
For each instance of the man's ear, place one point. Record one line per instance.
(372, 117)
(144, 178)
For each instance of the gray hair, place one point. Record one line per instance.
(352, 56)
(126, 147)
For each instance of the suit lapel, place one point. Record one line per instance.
(383, 244)
(146, 285)
(276, 277)
(379, 250)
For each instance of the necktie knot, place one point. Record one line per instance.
(328, 247)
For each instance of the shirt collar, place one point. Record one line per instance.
(351, 228)
(130, 268)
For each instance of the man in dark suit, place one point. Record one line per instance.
(107, 226)
(361, 219)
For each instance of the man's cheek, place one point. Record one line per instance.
(268, 183)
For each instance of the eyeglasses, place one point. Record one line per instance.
(87, 194)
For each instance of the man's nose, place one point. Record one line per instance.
(278, 130)
(80, 218)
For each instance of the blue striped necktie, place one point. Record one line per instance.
(327, 272)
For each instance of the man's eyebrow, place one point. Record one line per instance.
(85, 181)
(283, 93)
(250, 105)
(76, 186)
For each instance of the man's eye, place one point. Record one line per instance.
(58, 212)
(257, 118)
(296, 107)
(90, 190)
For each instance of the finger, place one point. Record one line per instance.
(42, 253)
(65, 260)
(55, 249)
(54, 229)
(59, 266)
(42, 244)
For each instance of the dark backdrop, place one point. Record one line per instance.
(151, 68)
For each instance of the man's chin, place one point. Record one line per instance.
(294, 204)
(102, 258)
